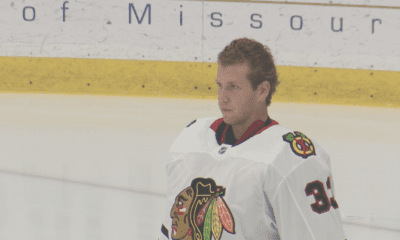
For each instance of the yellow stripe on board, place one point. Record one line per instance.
(307, 3)
(192, 80)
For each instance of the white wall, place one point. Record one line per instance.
(101, 29)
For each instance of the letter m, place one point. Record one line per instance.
(148, 6)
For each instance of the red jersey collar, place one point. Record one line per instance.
(221, 128)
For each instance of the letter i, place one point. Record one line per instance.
(181, 17)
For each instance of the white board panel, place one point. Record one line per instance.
(298, 35)
(101, 29)
(301, 35)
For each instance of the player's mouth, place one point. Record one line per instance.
(174, 230)
(226, 110)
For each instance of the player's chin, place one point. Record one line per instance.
(227, 119)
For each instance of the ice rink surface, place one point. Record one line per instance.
(92, 167)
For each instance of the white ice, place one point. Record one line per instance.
(92, 167)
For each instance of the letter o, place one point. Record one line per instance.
(34, 14)
(301, 22)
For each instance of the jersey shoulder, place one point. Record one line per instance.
(293, 148)
(193, 135)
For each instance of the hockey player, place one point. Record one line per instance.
(244, 176)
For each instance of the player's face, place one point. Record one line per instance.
(236, 98)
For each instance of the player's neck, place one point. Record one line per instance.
(240, 129)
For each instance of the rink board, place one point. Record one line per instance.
(194, 80)
(326, 53)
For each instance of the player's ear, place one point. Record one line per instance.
(263, 90)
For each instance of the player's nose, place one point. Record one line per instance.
(222, 95)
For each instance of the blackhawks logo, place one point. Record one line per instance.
(300, 144)
(201, 213)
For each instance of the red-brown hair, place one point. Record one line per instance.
(259, 59)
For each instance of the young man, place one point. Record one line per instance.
(244, 176)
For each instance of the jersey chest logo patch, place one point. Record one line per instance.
(301, 145)
(201, 213)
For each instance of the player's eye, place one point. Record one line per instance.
(231, 87)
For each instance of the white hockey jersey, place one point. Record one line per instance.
(273, 183)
